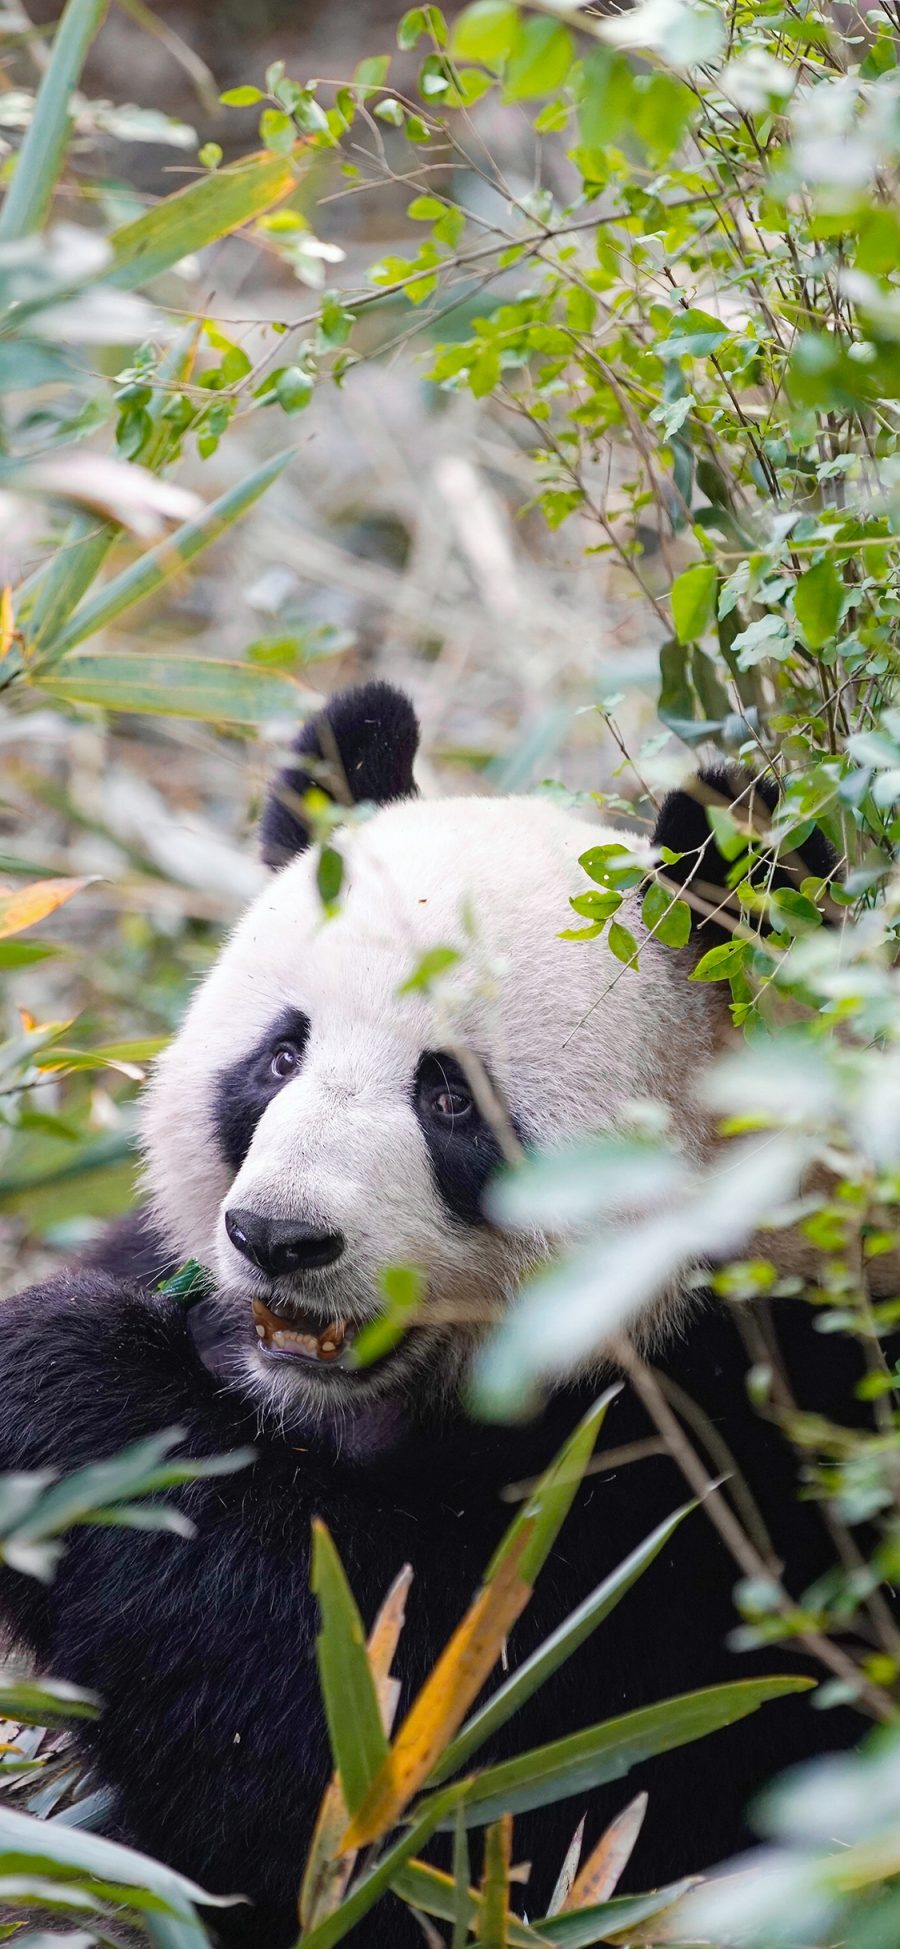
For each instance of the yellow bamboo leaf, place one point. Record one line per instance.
(33, 903)
(606, 1864)
(441, 1705)
(327, 1873)
(7, 621)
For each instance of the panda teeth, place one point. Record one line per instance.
(326, 1345)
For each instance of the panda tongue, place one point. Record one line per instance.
(323, 1343)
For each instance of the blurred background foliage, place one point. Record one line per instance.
(545, 358)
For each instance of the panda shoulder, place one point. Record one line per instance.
(87, 1365)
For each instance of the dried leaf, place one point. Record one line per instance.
(565, 1880)
(607, 1862)
(28, 905)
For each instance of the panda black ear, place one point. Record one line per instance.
(360, 747)
(684, 828)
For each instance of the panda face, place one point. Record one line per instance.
(321, 1118)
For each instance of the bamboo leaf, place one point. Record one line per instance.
(59, 587)
(41, 155)
(587, 1759)
(606, 1864)
(558, 1647)
(28, 905)
(568, 1871)
(445, 1697)
(327, 1873)
(210, 208)
(158, 565)
(92, 1854)
(436, 1893)
(492, 1930)
(355, 1730)
(548, 1506)
(176, 686)
(613, 1921)
(375, 1884)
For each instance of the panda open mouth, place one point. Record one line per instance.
(302, 1337)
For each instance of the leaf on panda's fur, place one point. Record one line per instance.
(327, 1872)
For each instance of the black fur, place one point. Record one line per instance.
(361, 747)
(463, 1155)
(683, 826)
(246, 1088)
(212, 1735)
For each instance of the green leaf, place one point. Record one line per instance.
(190, 1283)
(91, 1854)
(694, 601)
(546, 1509)
(43, 149)
(485, 31)
(605, 97)
(45, 1701)
(404, 1290)
(668, 919)
(244, 97)
(622, 944)
(329, 875)
(818, 600)
(613, 865)
(375, 1884)
(277, 131)
(610, 1921)
(430, 965)
(426, 1888)
(358, 1742)
(411, 28)
(586, 1760)
(158, 565)
(207, 209)
(214, 691)
(721, 962)
(540, 60)
(676, 698)
(574, 1631)
(294, 388)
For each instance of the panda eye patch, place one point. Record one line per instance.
(245, 1088)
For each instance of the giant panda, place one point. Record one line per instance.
(313, 1122)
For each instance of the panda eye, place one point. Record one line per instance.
(285, 1061)
(451, 1106)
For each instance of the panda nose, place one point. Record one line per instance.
(280, 1245)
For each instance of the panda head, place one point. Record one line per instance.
(321, 1116)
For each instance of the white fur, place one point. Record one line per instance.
(569, 1036)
